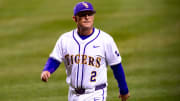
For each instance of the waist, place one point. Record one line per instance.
(83, 90)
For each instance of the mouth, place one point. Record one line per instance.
(86, 22)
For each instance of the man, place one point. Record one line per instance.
(86, 52)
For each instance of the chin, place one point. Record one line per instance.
(87, 26)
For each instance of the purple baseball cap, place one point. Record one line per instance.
(83, 6)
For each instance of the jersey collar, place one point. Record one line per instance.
(80, 40)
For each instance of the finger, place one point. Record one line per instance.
(45, 80)
(48, 75)
(44, 77)
(123, 99)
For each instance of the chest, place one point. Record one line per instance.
(92, 48)
(91, 53)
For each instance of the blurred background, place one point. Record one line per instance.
(147, 33)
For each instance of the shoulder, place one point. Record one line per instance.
(65, 36)
(106, 36)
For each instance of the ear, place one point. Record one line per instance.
(74, 18)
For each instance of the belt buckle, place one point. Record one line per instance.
(80, 90)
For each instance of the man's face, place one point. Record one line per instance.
(84, 19)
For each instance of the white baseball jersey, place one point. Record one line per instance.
(86, 60)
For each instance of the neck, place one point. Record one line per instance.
(85, 31)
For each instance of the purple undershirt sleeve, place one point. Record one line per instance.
(120, 77)
(51, 65)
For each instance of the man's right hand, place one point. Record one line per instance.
(45, 75)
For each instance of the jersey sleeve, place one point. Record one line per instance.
(57, 51)
(112, 53)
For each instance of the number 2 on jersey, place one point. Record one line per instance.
(93, 76)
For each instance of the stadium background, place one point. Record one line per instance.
(146, 31)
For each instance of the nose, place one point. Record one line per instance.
(86, 16)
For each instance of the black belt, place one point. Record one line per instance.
(82, 90)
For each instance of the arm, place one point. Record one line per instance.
(120, 77)
(50, 67)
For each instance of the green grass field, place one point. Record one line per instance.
(147, 33)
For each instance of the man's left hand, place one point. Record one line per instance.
(124, 97)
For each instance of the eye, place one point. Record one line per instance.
(90, 14)
(85, 14)
(82, 14)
